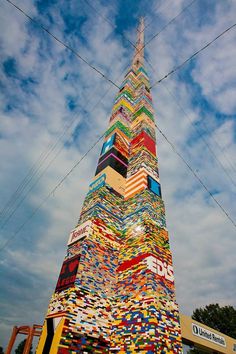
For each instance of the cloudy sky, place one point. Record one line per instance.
(54, 107)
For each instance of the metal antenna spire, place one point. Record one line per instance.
(138, 59)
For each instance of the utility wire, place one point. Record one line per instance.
(50, 194)
(31, 173)
(18, 190)
(17, 194)
(188, 59)
(156, 35)
(205, 141)
(156, 8)
(31, 188)
(175, 69)
(35, 172)
(219, 147)
(112, 24)
(103, 17)
(197, 129)
(196, 176)
(193, 55)
(108, 21)
(103, 75)
(77, 164)
(67, 46)
(169, 23)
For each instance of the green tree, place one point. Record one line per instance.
(222, 319)
(20, 348)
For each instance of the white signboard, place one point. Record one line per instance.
(161, 268)
(80, 232)
(208, 335)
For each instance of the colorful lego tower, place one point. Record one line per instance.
(115, 292)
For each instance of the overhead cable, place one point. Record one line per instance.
(33, 172)
(197, 177)
(67, 46)
(108, 21)
(46, 168)
(156, 8)
(197, 130)
(103, 75)
(133, 45)
(51, 193)
(72, 169)
(169, 23)
(219, 147)
(175, 69)
(193, 55)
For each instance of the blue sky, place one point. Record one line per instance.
(53, 107)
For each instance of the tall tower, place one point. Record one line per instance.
(115, 292)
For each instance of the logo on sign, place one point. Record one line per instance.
(208, 335)
(161, 268)
(195, 329)
(79, 232)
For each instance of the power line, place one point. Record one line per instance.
(103, 17)
(156, 35)
(62, 43)
(169, 23)
(45, 169)
(156, 8)
(209, 147)
(31, 174)
(197, 177)
(198, 131)
(40, 161)
(72, 169)
(108, 21)
(35, 182)
(206, 142)
(33, 171)
(193, 55)
(103, 75)
(50, 194)
(112, 24)
(194, 173)
(188, 59)
(202, 137)
(219, 147)
(27, 179)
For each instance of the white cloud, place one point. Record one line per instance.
(201, 237)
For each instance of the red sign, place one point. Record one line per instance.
(68, 273)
